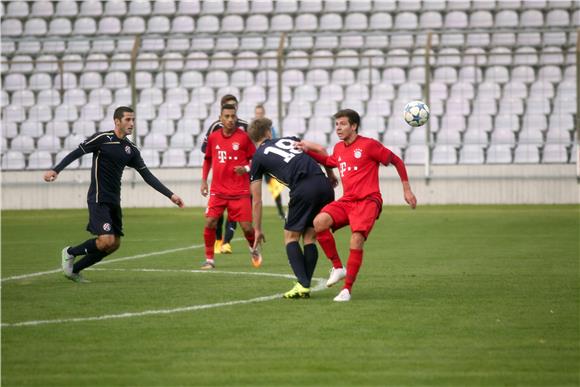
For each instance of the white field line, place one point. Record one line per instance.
(320, 284)
(106, 262)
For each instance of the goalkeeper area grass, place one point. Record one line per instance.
(446, 296)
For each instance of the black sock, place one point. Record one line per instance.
(279, 206)
(218, 229)
(88, 260)
(87, 247)
(296, 259)
(230, 228)
(310, 259)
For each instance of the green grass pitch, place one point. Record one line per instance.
(447, 296)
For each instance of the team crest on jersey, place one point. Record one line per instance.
(236, 146)
(107, 227)
(357, 153)
(127, 149)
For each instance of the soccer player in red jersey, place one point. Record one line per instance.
(229, 151)
(357, 159)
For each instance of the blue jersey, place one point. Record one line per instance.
(278, 158)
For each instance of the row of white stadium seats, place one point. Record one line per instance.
(280, 22)
(414, 154)
(295, 59)
(457, 104)
(292, 78)
(122, 46)
(92, 8)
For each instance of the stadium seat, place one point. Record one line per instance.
(196, 109)
(11, 27)
(555, 153)
(39, 160)
(57, 128)
(170, 111)
(92, 112)
(23, 98)
(39, 8)
(60, 27)
(154, 141)
(471, 154)
(101, 96)
(151, 157)
(13, 82)
(474, 135)
(558, 18)
(39, 81)
(13, 160)
(501, 56)
(294, 126)
(299, 108)
(526, 154)
(174, 158)
(560, 122)
(109, 25)
(511, 106)
(35, 27)
(444, 154)
(501, 136)
(330, 22)
(524, 74)
(84, 128)
(499, 154)
(163, 126)
(325, 107)
(189, 126)
(116, 80)
(32, 128)
(22, 143)
(221, 60)
(281, 22)
(75, 97)
(195, 158)
(415, 154)
(14, 113)
(133, 25)
(65, 112)
(90, 80)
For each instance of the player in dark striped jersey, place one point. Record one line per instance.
(222, 243)
(112, 152)
(310, 190)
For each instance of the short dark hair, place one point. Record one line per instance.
(120, 112)
(258, 128)
(353, 117)
(228, 106)
(228, 97)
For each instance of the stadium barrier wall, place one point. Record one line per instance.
(457, 184)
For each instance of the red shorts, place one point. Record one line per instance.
(239, 209)
(360, 214)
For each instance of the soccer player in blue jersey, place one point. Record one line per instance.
(310, 190)
(112, 152)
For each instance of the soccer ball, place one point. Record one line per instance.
(416, 113)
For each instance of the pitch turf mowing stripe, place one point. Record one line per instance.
(320, 285)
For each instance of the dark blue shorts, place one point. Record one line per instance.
(105, 218)
(306, 200)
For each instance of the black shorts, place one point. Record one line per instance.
(306, 200)
(105, 218)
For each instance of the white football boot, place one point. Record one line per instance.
(336, 275)
(67, 262)
(343, 296)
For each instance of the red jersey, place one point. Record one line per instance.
(224, 153)
(358, 165)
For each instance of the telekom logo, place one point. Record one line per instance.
(222, 156)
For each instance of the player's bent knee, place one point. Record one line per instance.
(108, 243)
(322, 222)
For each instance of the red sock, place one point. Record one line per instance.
(209, 239)
(326, 241)
(250, 237)
(352, 266)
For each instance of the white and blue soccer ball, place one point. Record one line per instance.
(416, 113)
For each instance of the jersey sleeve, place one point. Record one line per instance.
(208, 145)
(93, 143)
(136, 161)
(256, 170)
(380, 153)
(251, 149)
